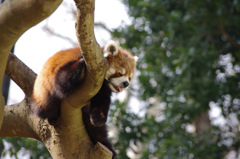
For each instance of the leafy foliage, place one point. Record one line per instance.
(33, 148)
(189, 59)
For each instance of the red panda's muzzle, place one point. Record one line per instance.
(118, 88)
(118, 84)
(115, 88)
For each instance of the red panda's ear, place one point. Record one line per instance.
(110, 48)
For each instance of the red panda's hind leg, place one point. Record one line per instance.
(67, 80)
(51, 111)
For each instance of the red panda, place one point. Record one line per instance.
(62, 74)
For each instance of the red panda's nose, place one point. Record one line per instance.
(125, 84)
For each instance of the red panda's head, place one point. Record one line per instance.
(121, 69)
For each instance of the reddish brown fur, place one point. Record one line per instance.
(42, 86)
(122, 60)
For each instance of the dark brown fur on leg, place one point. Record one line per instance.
(95, 117)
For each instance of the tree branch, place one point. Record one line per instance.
(52, 32)
(96, 64)
(15, 18)
(15, 123)
(103, 26)
(23, 76)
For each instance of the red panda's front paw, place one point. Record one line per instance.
(97, 117)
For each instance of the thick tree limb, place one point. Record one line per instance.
(15, 18)
(23, 76)
(96, 64)
(15, 121)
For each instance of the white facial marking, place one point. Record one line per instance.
(123, 71)
(110, 72)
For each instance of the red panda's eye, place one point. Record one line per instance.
(119, 74)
